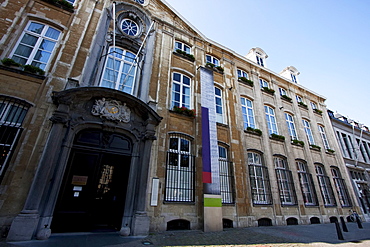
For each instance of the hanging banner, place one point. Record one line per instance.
(211, 176)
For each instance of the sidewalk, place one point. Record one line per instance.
(276, 236)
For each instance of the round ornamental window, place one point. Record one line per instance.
(130, 27)
(140, 1)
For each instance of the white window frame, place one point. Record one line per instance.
(341, 188)
(283, 91)
(259, 180)
(271, 120)
(184, 91)
(242, 73)
(299, 99)
(123, 76)
(308, 131)
(285, 182)
(182, 47)
(219, 105)
(291, 126)
(325, 186)
(294, 78)
(306, 183)
(259, 59)
(247, 113)
(313, 105)
(38, 47)
(213, 60)
(323, 136)
(264, 83)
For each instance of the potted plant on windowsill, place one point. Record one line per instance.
(10, 63)
(277, 137)
(301, 104)
(286, 98)
(33, 69)
(218, 69)
(330, 151)
(246, 81)
(184, 111)
(253, 131)
(185, 55)
(315, 147)
(317, 111)
(268, 90)
(297, 142)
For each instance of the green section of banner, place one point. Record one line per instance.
(212, 202)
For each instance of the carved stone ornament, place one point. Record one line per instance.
(111, 110)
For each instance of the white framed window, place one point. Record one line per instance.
(182, 47)
(323, 137)
(264, 83)
(341, 188)
(259, 59)
(285, 182)
(219, 105)
(36, 45)
(179, 170)
(181, 91)
(12, 114)
(299, 99)
(282, 92)
(307, 130)
(242, 73)
(140, 1)
(294, 78)
(247, 112)
(271, 120)
(306, 183)
(259, 179)
(226, 176)
(291, 126)
(212, 60)
(313, 105)
(119, 70)
(325, 186)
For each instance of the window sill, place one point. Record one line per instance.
(176, 202)
(66, 8)
(303, 106)
(222, 125)
(286, 99)
(184, 56)
(181, 115)
(22, 72)
(253, 132)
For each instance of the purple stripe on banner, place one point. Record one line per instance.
(206, 146)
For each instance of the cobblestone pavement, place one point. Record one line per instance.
(273, 236)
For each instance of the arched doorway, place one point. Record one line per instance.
(93, 192)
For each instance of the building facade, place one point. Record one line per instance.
(354, 142)
(122, 116)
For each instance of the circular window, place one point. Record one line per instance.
(140, 1)
(130, 27)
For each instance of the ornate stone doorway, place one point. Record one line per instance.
(93, 193)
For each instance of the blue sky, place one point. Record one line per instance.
(327, 41)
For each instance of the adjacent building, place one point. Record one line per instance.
(354, 142)
(122, 116)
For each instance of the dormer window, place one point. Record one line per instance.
(258, 56)
(140, 1)
(212, 60)
(290, 73)
(259, 59)
(294, 78)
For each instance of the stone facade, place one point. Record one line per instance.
(36, 176)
